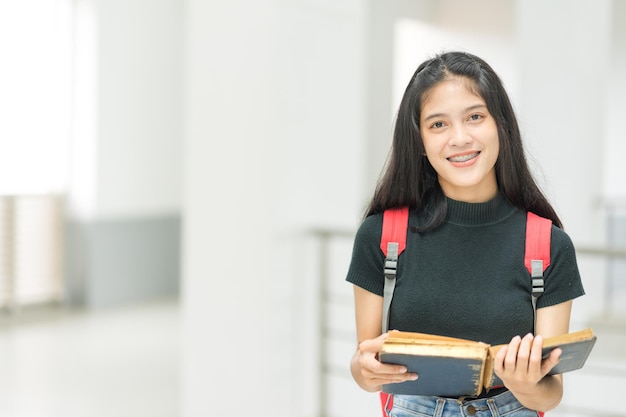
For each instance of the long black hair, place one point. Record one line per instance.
(410, 180)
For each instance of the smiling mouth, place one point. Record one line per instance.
(463, 158)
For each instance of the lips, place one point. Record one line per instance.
(463, 158)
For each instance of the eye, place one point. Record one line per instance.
(437, 125)
(474, 117)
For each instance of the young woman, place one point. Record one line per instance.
(457, 161)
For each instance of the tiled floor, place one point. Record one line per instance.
(115, 362)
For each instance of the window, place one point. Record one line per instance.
(35, 103)
(35, 139)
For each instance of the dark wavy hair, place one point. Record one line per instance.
(410, 180)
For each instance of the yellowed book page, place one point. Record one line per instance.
(404, 337)
(568, 338)
(438, 348)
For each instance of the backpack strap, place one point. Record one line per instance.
(537, 254)
(392, 243)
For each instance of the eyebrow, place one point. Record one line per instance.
(466, 110)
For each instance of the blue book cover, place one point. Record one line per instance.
(440, 376)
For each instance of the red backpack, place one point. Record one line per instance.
(393, 243)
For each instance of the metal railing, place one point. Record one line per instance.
(610, 278)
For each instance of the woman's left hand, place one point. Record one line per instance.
(520, 366)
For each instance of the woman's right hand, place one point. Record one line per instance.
(370, 373)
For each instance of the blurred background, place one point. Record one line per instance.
(180, 182)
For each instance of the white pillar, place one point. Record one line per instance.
(274, 120)
(124, 197)
(228, 198)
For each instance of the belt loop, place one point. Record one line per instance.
(440, 407)
(493, 407)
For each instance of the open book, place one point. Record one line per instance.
(451, 367)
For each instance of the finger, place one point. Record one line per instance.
(535, 360)
(389, 373)
(523, 353)
(396, 371)
(378, 367)
(498, 362)
(381, 380)
(401, 377)
(510, 360)
(551, 361)
(372, 345)
(373, 369)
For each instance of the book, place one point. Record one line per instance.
(453, 367)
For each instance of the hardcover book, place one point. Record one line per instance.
(452, 367)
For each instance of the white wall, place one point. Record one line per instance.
(127, 153)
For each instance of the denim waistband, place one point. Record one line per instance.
(504, 403)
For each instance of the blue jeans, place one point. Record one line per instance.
(501, 405)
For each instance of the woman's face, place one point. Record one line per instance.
(461, 140)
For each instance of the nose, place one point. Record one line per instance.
(459, 136)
